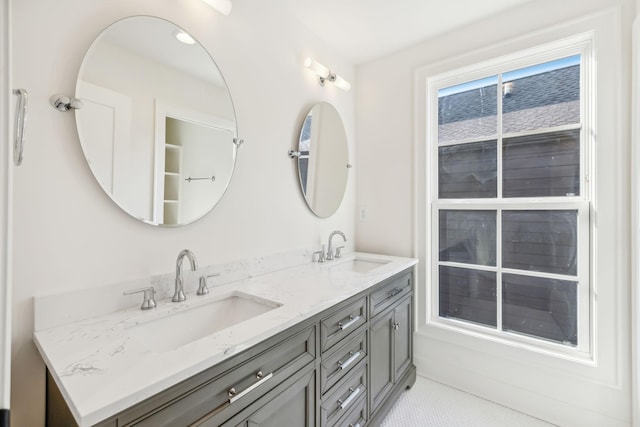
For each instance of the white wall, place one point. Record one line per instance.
(390, 124)
(68, 234)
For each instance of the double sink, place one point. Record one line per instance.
(160, 332)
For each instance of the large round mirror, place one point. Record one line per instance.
(157, 124)
(323, 159)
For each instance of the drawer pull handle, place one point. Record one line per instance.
(353, 357)
(233, 396)
(351, 321)
(344, 403)
(394, 292)
(354, 425)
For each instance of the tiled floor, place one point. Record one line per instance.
(429, 403)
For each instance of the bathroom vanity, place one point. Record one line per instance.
(320, 344)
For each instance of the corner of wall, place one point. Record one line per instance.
(6, 169)
(635, 218)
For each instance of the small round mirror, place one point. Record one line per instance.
(157, 124)
(323, 159)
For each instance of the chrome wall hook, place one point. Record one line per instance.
(64, 103)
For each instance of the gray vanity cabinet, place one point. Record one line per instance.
(342, 367)
(391, 337)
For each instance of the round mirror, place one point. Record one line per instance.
(323, 159)
(157, 124)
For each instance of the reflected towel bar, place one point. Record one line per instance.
(212, 178)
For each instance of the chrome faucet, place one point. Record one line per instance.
(330, 254)
(179, 296)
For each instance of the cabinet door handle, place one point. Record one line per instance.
(352, 320)
(394, 292)
(233, 396)
(344, 403)
(353, 357)
(396, 325)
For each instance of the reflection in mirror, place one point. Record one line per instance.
(158, 125)
(323, 161)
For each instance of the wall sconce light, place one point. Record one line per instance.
(222, 6)
(325, 74)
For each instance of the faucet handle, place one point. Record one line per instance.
(202, 284)
(149, 294)
(338, 253)
(320, 254)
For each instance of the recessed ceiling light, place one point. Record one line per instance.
(184, 37)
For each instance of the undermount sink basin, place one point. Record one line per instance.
(173, 330)
(360, 265)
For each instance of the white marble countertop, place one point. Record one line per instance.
(101, 369)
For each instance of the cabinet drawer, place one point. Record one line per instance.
(357, 417)
(391, 292)
(344, 396)
(292, 403)
(226, 394)
(342, 323)
(346, 356)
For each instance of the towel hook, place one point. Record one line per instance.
(20, 125)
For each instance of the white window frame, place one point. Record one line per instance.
(579, 45)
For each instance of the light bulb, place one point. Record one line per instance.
(317, 68)
(342, 83)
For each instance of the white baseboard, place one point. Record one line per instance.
(432, 362)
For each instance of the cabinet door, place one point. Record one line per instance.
(293, 404)
(381, 358)
(403, 330)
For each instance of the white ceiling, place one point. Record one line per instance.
(154, 39)
(362, 30)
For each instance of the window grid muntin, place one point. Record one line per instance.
(579, 202)
(581, 276)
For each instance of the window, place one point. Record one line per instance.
(509, 199)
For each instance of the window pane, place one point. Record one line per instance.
(540, 241)
(468, 171)
(468, 236)
(468, 295)
(544, 308)
(542, 96)
(545, 165)
(468, 110)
